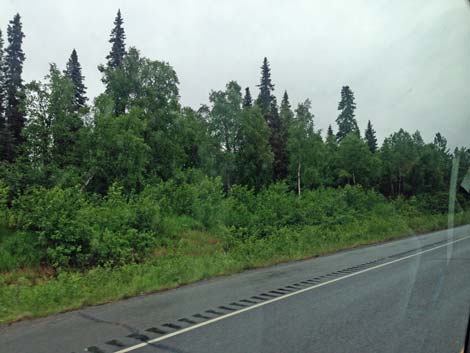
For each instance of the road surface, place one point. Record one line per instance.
(411, 295)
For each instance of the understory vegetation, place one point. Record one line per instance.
(64, 249)
(132, 192)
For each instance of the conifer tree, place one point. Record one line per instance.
(370, 137)
(286, 116)
(346, 121)
(330, 137)
(247, 100)
(74, 72)
(117, 40)
(265, 89)
(277, 141)
(329, 133)
(3, 131)
(2, 83)
(286, 112)
(14, 112)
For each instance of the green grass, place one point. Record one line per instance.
(37, 291)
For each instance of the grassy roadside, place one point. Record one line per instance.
(36, 292)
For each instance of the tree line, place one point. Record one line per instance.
(137, 132)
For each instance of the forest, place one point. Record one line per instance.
(131, 192)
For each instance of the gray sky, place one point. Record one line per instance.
(408, 61)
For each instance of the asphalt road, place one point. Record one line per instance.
(411, 295)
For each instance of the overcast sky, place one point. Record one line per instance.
(407, 61)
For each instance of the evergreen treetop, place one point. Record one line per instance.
(277, 141)
(265, 88)
(286, 113)
(285, 100)
(74, 73)
(2, 83)
(247, 100)
(118, 48)
(329, 132)
(370, 137)
(346, 120)
(13, 87)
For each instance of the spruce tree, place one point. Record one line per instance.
(247, 100)
(286, 116)
(3, 131)
(2, 84)
(329, 133)
(286, 112)
(14, 115)
(74, 72)
(346, 121)
(370, 137)
(278, 142)
(330, 137)
(118, 48)
(265, 89)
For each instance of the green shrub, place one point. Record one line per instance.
(69, 228)
(4, 195)
(190, 193)
(433, 203)
(249, 214)
(18, 250)
(74, 230)
(52, 216)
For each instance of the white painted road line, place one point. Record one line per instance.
(208, 322)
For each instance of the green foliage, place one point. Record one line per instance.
(179, 231)
(249, 214)
(74, 230)
(410, 166)
(140, 193)
(17, 250)
(346, 120)
(121, 229)
(74, 73)
(120, 152)
(254, 157)
(52, 133)
(305, 149)
(224, 125)
(266, 87)
(191, 194)
(4, 197)
(370, 137)
(247, 100)
(278, 141)
(197, 148)
(3, 128)
(356, 163)
(15, 119)
(52, 216)
(117, 40)
(197, 255)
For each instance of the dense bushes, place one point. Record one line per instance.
(65, 227)
(71, 228)
(191, 194)
(65, 248)
(277, 207)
